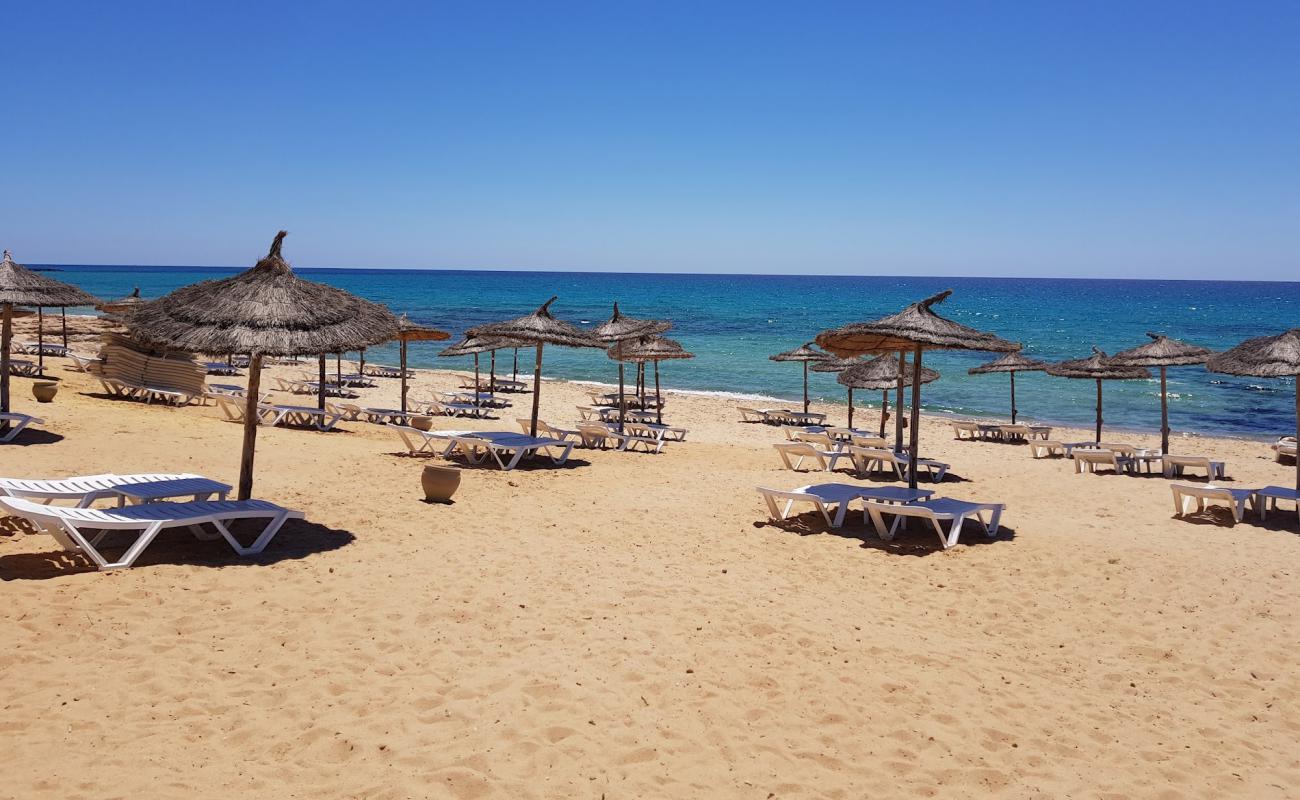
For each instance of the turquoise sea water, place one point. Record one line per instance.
(734, 322)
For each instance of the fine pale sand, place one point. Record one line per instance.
(631, 626)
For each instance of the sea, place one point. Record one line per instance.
(733, 323)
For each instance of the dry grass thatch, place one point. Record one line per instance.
(881, 372)
(835, 364)
(1096, 367)
(915, 325)
(803, 352)
(650, 348)
(621, 329)
(1265, 357)
(1162, 352)
(266, 309)
(1011, 362)
(408, 331)
(538, 327)
(21, 286)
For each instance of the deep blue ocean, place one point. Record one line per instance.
(734, 322)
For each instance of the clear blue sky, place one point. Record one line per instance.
(969, 138)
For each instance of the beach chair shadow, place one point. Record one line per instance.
(33, 436)
(298, 539)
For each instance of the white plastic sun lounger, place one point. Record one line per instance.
(793, 455)
(477, 447)
(82, 529)
(1173, 466)
(1092, 460)
(563, 434)
(942, 509)
(869, 459)
(18, 423)
(302, 416)
(1268, 496)
(599, 434)
(1285, 446)
(1042, 448)
(83, 363)
(1186, 494)
(86, 489)
(827, 496)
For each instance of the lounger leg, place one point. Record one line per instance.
(954, 532)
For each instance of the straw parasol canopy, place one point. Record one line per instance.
(619, 329)
(653, 349)
(21, 286)
(408, 332)
(1100, 368)
(1011, 363)
(538, 329)
(1163, 352)
(880, 374)
(807, 354)
(1266, 357)
(916, 328)
(473, 346)
(263, 311)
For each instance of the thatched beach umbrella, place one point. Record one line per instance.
(1099, 368)
(619, 329)
(807, 355)
(473, 346)
(1163, 352)
(833, 364)
(407, 332)
(263, 311)
(916, 328)
(1011, 363)
(882, 373)
(21, 286)
(653, 349)
(538, 329)
(1266, 357)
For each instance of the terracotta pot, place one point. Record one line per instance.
(44, 391)
(422, 423)
(439, 482)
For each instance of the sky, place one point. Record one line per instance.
(1108, 139)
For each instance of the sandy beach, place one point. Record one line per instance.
(630, 625)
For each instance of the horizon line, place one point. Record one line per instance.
(548, 270)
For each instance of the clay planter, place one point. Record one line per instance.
(440, 483)
(44, 391)
(422, 423)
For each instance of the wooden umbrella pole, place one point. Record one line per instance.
(1099, 409)
(915, 409)
(659, 405)
(7, 336)
(884, 410)
(850, 406)
(320, 389)
(622, 404)
(1164, 411)
(250, 426)
(537, 389)
(898, 403)
(401, 347)
(40, 339)
(64, 313)
(805, 387)
(1013, 397)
